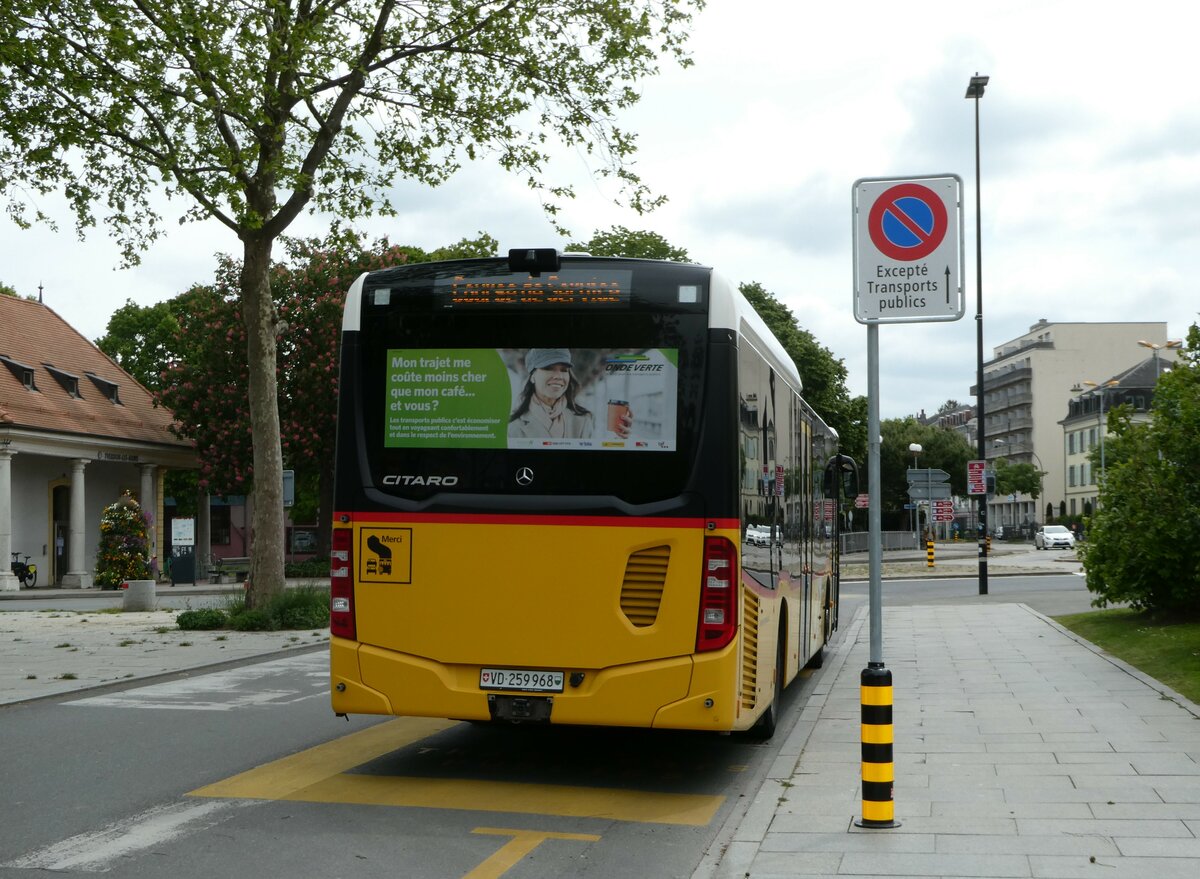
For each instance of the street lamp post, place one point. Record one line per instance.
(916, 449)
(1102, 389)
(975, 91)
(1174, 343)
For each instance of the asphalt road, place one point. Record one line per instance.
(247, 770)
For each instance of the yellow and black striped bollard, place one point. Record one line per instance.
(929, 553)
(878, 769)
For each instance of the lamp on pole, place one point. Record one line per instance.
(975, 91)
(1175, 343)
(916, 449)
(1102, 389)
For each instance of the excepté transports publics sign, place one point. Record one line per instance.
(908, 249)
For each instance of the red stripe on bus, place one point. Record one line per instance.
(511, 519)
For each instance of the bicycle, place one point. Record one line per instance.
(24, 571)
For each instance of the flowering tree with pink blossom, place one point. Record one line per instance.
(204, 382)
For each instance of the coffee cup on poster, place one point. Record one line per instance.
(617, 410)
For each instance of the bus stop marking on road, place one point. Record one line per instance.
(322, 775)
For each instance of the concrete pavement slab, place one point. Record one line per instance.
(1020, 750)
(49, 653)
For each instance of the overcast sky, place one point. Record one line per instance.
(1090, 132)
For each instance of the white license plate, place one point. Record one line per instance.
(520, 679)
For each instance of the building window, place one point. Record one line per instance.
(1070, 444)
(23, 373)
(67, 381)
(1071, 477)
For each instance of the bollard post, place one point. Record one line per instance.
(878, 768)
(929, 553)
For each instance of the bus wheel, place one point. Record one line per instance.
(764, 728)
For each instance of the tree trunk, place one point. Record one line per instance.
(325, 509)
(267, 522)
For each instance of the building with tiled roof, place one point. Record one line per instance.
(76, 432)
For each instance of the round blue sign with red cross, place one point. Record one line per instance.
(907, 222)
(908, 253)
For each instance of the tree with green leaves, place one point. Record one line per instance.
(941, 449)
(1018, 478)
(824, 375)
(619, 241)
(1141, 543)
(203, 374)
(252, 111)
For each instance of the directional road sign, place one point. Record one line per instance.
(936, 491)
(908, 249)
(918, 476)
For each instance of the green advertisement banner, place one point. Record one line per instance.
(531, 398)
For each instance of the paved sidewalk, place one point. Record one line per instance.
(51, 652)
(1020, 751)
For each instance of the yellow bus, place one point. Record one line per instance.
(547, 469)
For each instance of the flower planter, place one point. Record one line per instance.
(139, 595)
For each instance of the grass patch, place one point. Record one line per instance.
(1166, 650)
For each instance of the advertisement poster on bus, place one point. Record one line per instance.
(532, 398)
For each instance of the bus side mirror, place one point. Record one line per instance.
(841, 477)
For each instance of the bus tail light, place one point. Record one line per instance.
(718, 595)
(341, 585)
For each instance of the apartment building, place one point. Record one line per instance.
(1085, 427)
(1028, 386)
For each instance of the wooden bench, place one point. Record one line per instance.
(237, 568)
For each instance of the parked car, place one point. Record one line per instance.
(1054, 536)
(760, 535)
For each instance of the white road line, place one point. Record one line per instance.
(242, 687)
(96, 851)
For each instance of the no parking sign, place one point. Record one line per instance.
(908, 253)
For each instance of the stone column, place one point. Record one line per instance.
(8, 582)
(149, 510)
(80, 577)
(203, 535)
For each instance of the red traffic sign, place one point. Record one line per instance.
(976, 477)
(907, 222)
(862, 501)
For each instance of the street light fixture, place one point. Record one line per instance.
(1102, 388)
(1174, 343)
(974, 92)
(916, 449)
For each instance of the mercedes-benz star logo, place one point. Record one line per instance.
(525, 476)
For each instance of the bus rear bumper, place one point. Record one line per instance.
(676, 693)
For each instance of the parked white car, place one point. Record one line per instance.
(760, 535)
(1054, 536)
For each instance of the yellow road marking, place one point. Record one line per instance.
(321, 775)
(279, 779)
(522, 843)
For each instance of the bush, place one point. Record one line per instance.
(305, 607)
(123, 553)
(205, 618)
(317, 569)
(253, 621)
